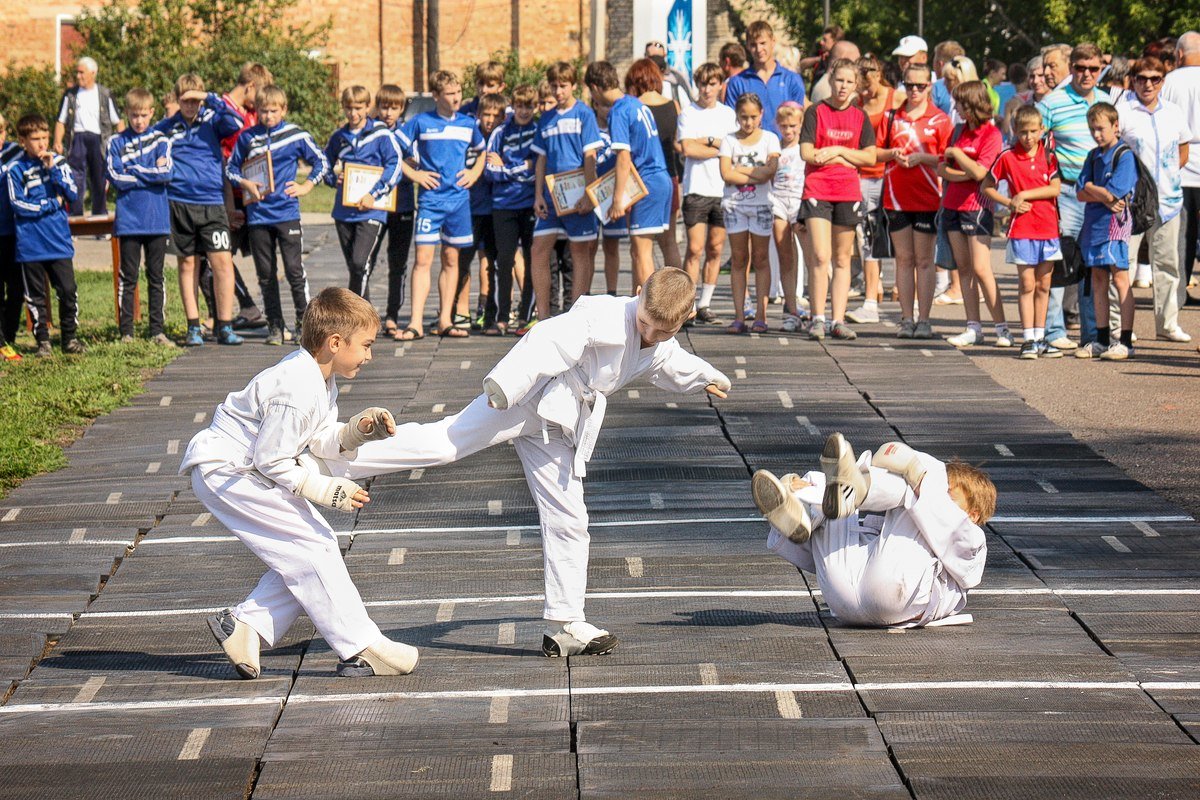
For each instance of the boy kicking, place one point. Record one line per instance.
(250, 469)
(894, 538)
(548, 397)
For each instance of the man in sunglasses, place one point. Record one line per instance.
(1064, 115)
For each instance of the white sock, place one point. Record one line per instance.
(1028, 334)
(975, 326)
(869, 305)
(1039, 334)
(706, 294)
(818, 320)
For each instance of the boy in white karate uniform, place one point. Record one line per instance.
(250, 469)
(893, 538)
(548, 397)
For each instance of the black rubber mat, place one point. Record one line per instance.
(1058, 727)
(146, 780)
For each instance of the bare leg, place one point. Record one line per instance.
(420, 286)
(843, 252)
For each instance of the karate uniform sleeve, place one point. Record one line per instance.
(279, 441)
(549, 349)
(677, 370)
(325, 442)
(955, 541)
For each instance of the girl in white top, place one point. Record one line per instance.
(786, 191)
(749, 159)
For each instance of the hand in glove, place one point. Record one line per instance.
(900, 459)
(340, 493)
(719, 387)
(495, 394)
(368, 425)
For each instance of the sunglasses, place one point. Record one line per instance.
(916, 87)
(656, 44)
(1082, 68)
(1153, 80)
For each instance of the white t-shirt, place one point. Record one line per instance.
(87, 111)
(789, 178)
(703, 176)
(1182, 87)
(1155, 138)
(749, 155)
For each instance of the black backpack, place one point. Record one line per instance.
(1143, 201)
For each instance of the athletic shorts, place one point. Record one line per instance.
(652, 214)
(197, 229)
(576, 227)
(1114, 255)
(699, 209)
(1031, 252)
(757, 219)
(844, 213)
(968, 223)
(919, 221)
(452, 226)
(617, 229)
(785, 208)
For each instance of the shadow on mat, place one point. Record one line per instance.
(739, 618)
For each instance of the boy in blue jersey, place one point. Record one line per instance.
(360, 227)
(39, 186)
(12, 287)
(390, 102)
(510, 171)
(567, 139)
(199, 222)
(489, 79)
(613, 231)
(139, 168)
(636, 145)
(489, 111)
(441, 139)
(273, 217)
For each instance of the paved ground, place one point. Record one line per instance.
(1079, 678)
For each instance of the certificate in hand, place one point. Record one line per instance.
(601, 191)
(566, 189)
(359, 179)
(260, 169)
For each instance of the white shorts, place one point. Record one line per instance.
(785, 208)
(758, 220)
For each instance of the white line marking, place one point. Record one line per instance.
(172, 447)
(755, 335)
(113, 498)
(153, 467)
(808, 426)
(77, 535)
(634, 566)
(672, 405)
(502, 767)
(1003, 450)
(926, 353)
(740, 374)
(200, 415)
(396, 557)
(445, 612)
(399, 353)
(1048, 487)
(789, 707)
(739, 359)
(708, 675)
(416, 474)
(93, 542)
(656, 501)
(201, 539)
(438, 408)
(89, 690)
(513, 538)
(634, 394)
(194, 744)
(465, 365)
(11, 514)
(345, 389)
(507, 633)
(1116, 544)
(165, 401)
(495, 508)
(886, 346)
(783, 341)
(785, 399)
(1084, 520)
(1145, 528)
(498, 711)
(201, 519)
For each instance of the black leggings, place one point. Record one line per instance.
(399, 242)
(513, 229)
(12, 290)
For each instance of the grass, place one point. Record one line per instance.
(47, 403)
(319, 200)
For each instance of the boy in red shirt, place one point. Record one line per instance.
(1033, 244)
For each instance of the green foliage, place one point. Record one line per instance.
(516, 73)
(1002, 29)
(153, 42)
(28, 90)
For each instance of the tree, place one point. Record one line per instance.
(28, 90)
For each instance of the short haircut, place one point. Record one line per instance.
(138, 99)
(88, 63)
(668, 296)
(188, 82)
(643, 76)
(918, 66)
(734, 53)
(253, 73)
(390, 96)
(870, 62)
(975, 101)
(1062, 49)
(962, 68)
(1084, 51)
(356, 95)
(842, 63)
(30, 124)
(944, 51)
(990, 65)
(749, 99)
(1017, 74)
(601, 75)
(1188, 44)
(3, 120)
(335, 310)
(1148, 64)
(442, 80)
(1025, 114)
(836, 31)
(707, 73)
(493, 101)
(544, 90)
(977, 488)
(271, 95)
(489, 72)
(525, 95)
(788, 112)
(562, 72)
(760, 27)
(1103, 111)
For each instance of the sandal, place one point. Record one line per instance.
(736, 327)
(759, 326)
(403, 336)
(390, 328)
(451, 332)
(498, 329)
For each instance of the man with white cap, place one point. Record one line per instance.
(911, 50)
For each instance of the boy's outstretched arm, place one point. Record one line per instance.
(677, 370)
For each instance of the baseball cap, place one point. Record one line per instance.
(910, 46)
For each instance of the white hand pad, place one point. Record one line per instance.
(351, 437)
(328, 492)
(721, 382)
(495, 394)
(902, 460)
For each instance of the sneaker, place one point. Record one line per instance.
(1175, 335)
(845, 484)
(1004, 338)
(924, 330)
(73, 346)
(706, 316)
(1090, 350)
(239, 641)
(1072, 320)
(225, 335)
(908, 329)
(9, 354)
(1141, 283)
(777, 300)
(1029, 350)
(297, 332)
(1047, 350)
(162, 340)
(1063, 344)
(275, 335)
(385, 657)
(194, 337)
(527, 327)
(779, 506)
(856, 290)
(288, 336)
(126, 339)
(967, 338)
(817, 330)
(250, 321)
(1117, 352)
(577, 638)
(864, 315)
(790, 324)
(44, 350)
(842, 331)
(944, 299)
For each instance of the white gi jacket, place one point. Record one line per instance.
(282, 411)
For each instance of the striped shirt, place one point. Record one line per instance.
(1064, 113)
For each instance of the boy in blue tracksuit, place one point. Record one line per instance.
(390, 102)
(12, 286)
(199, 222)
(273, 215)
(489, 113)
(360, 227)
(139, 168)
(509, 169)
(39, 187)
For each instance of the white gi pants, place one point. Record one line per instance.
(872, 573)
(306, 572)
(557, 490)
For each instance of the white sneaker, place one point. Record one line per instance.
(1116, 352)
(944, 299)
(1004, 338)
(239, 641)
(1176, 335)
(845, 484)
(385, 657)
(1090, 350)
(968, 338)
(1063, 343)
(775, 501)
(577, 638)
(864, 314)
(791, 323)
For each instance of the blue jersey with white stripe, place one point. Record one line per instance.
(441, 146)
(9, 152)
(481, 191)
(373, 145)
(606, 157)
(37, 196)
(406, 192)
(288, 146)
(512, 184)
(196, 152)
(632, 128)
(564, 136)
(141, 182)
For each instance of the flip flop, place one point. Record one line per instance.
(736, 327)
(404, 337)
(759, 327)
(451, 332)
(495, 330)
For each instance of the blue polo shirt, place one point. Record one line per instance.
(781, 86)
(1064, 113)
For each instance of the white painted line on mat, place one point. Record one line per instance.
(708, 675)
(416, 474)
(785, 399)
(438, 408)
(739, 359)
(1003, 450)
(396, 557)
(1048, 487)
(634, 394)
(465, 365)
(513, 538)
(1116, 544)
(783, 341)
(445, 613)
(656, 501)
(345, 389)
(77, 535)
(64, 542)
(808, 426)
(789, 707)
(89, 690)
(498, 711)
(502, 769)
(1145, 528)
(189, 540)
(740, 374)
(634, 566)
(113, 498)
(672, 405)
(153, 467)
(399, 353)
(622, 524)
(172, 447)
(1130, 518)
(165, 401)
(495, 508)
(11, 514)
(201, 519)
(926, 353)
(200, 415)
(507, 633)
(194, 744)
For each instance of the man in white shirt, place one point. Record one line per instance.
(87, 118)
(1182, 87)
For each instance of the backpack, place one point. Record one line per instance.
(1143, 201)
